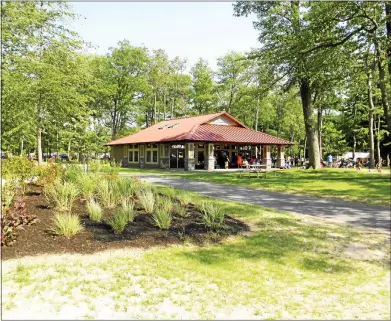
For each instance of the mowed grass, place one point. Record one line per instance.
(287, 267)
(348, 184)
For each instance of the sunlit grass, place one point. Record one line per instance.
(288, 267)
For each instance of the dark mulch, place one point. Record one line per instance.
(38, 239)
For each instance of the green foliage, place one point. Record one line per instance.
(127, 209)
(164, 203)
(94, 210)
(127, 187)
(8, 192)
(61, 195)
(146, 199)
(67, 224)
(18, 167)
(48, 174)
(108, 193)
(86, 184)
(180, 210)
(72, 173)
(212, 215)
(119, 220)
(184, 198)
(162, 218)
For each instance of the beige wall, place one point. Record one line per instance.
(117, 152)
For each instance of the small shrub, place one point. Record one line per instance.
(162, 218)
(184, 199)
(164, 203)
(86, 184)
(147, 200)
(48, 174)
(67, 224)
(127, 188)
(72, 173)
(212, 215)
(118, 221)
(169, 192)
(127, 207)
(180, 210)
(108, 193)
(94, 210)
(8, 191)
(61, 195)
(18, 167)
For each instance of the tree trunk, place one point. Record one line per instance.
(39, 145)
(388, 29)
(320, 125)
(69, 149)
(371, 110)
(305, 146)
(21, 147)
(378, 138)
(354, 146)
(383, 90)
(310, 124)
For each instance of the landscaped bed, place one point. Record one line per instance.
(39, 238)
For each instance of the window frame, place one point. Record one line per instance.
(133, 148)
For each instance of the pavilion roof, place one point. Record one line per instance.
(199, 128)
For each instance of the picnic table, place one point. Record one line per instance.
(254, 168)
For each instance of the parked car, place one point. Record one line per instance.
(64, 157)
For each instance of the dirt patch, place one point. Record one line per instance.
(38, 239)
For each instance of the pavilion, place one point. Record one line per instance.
(192, 142)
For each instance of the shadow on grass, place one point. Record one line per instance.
(300, 248)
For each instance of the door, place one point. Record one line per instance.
(177, 158)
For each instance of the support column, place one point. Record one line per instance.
(164, 159)
(209, 159)
(266, 157)
(280, 156)
(189, 157)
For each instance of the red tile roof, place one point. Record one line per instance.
(196, 129)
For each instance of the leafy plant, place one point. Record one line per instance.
(127, 188)
(72, 173)
(67, 224)
(184, 198)
(86, 184)
(127, 207)
(61, 195)
(164, 203)
(147, 199)
(118, 221)
(18, 167)
(162, 218)
(212, 215)
(180, 210)
(108, 193)
(48, 174)
(8, 191)
(94, 210)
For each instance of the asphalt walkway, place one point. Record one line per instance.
(354, 213)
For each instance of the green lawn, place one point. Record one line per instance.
(288, 267)
(349, 184)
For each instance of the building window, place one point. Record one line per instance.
(226, 147)
(234, 147)
(152, 153)
(133, 150)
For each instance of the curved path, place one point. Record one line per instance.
(355, 213)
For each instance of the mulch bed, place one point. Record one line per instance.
(37, 239)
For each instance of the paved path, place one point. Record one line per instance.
(342, 211)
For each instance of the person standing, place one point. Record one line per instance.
(330, 160)
(239, 161)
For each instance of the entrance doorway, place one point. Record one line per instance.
(177, 157)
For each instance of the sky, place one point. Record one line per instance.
(186, 29)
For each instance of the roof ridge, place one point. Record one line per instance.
(193, 116)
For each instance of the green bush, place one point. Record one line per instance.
(48, 174)
(169, 192)
(127, 188)
(118, 221)
(18, 167)
(61, 195)
(86, 184)
(164, 202)
(108, 193)
(180, 210)
(72, 173)
(184, 198)
(67, 224)
(94, 210)
(8, 192)
(127, 207)
(212, 215)
(147, 199)
(162, 218)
